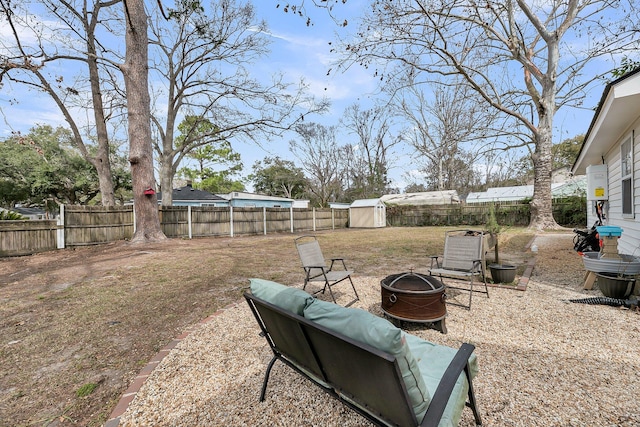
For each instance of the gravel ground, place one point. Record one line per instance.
(543, 361)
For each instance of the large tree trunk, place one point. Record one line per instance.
(541, 206)
(135, 71)
(101, 161)
(166, 180)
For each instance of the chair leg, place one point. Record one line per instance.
(266, 378)
(357, 298)
(486, 288)
(327, 285)
(472, 398)
(468, 307)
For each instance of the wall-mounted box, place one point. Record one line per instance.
(597, 182)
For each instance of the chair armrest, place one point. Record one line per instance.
(341, 261)
(441, 397)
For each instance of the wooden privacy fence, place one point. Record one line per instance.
(27, 237)
(568, 213)
(89, 225)
(451, 215)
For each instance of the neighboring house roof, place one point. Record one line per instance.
(253, 196)
(31, 213)
(190, 194)
(336, 205)
(503, 194)
(363, 203)
(423, 198)
(619, 106)
(575, 186)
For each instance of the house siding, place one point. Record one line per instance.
(256, 203)
(629, 243)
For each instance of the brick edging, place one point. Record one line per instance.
(131, 392)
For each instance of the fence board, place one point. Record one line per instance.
(210, 221)
(174, 220)
(90, 225)
(27, 237)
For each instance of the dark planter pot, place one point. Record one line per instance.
(503, 273)
(613, 286)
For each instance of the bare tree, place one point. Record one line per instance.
(136, 76)
(370, 163)
(525, 59)
(445, 130)
(203, 58)
(320, 155)
(39, 51)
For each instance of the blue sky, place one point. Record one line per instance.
(298, 51)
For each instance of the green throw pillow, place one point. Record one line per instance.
(377, 332)
(291, 299)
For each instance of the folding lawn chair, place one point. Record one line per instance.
(463, 259)
(316, 270)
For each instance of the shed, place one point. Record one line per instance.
(367, 213)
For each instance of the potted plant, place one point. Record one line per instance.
(500, 273)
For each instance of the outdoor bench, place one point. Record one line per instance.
(386, 375)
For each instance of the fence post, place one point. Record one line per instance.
(333, 220)
(231, 220)
(189, 221)
(314, 219)
(291, 217)
(264, 219)
(60, 229)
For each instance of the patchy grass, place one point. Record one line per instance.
(77, 325)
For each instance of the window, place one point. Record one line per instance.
(626, 176)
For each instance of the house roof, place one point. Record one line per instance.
(190, 194)
(503, 194)
(422, 198)
(252, 196)
(336, 205)
(618, 107)
(521, 192)
(28, 211)
(363, 203)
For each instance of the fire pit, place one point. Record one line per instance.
(413, 297)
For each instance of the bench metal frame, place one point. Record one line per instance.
(343, 368)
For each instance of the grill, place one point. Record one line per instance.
(413, 297)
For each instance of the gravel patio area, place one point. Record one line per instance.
(543, 361)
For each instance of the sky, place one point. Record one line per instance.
(297, 50)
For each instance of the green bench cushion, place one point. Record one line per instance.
(285, 297)
(433, 361)
(377, 332)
